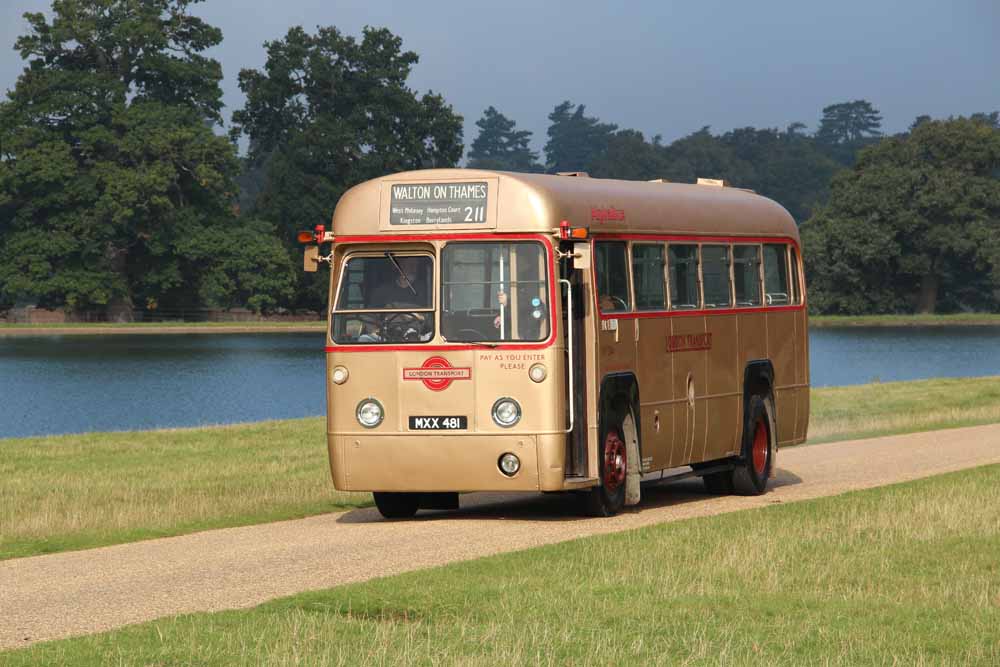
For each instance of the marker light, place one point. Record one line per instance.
(306, 237)
(370, 413)
(537, 373)
(509, 464)
(506, 412)
(339, 375)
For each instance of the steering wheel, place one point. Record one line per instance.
(397, 322)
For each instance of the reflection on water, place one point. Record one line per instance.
(856, 355)
(70, 384)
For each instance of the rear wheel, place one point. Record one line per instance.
(754, 468)
(397, 505)
(608, 498)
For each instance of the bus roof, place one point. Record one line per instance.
(448, 200)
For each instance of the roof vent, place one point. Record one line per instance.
(716, 182)
(578, 174)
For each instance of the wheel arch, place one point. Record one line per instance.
(620, 394)
(758, 379)
(619, 391)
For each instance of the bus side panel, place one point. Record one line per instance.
(782, 346)
(724, 376)
(654, 371)
(802, 374)
(688, 442)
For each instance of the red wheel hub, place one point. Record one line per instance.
(614, 461)
(760, 447)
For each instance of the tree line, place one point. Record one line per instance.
(118, 192)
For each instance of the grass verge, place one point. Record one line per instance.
(78, 491)
(892, 408)
(969, 319)
(904, 574)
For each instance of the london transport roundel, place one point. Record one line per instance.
(437, 373)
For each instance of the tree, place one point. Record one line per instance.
(786, 166)
(328, 112)
(702, 155)
(847, 127)
(629, 156)
(849, 123)
(110, 162)
(500, 146)
(576, 142)
(914, 225)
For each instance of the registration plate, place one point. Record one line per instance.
(439, 423)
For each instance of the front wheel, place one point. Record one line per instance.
(754, 468)
(608, 498)
(397, 505)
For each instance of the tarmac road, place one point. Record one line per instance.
(62, 595)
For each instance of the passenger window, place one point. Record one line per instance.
(610, 259)
(746, 274)
(683, 276)
(647, 273)
(796, 292)
(715, 275)
(776, 275)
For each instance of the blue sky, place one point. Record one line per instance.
(657, 66)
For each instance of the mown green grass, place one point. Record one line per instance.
(970, 319)
(903, 575)
(889, 408)
(78, 491)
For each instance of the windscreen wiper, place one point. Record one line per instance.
(405, 279)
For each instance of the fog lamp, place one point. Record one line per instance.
(369, 413)
(509, 464)
(537, 372)
(506, 412)
(339, 375)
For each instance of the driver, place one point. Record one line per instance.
(402, 285)
(402, 288)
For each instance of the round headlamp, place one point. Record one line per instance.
(370, 413)
(506, 412)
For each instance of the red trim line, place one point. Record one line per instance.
(553, 328)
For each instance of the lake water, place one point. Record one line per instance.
(69, 384)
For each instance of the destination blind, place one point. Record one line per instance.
(438, 203)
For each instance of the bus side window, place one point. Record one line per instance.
(647, 274)
(746, 274)
(715, 275)
(683, 273)
(611, 262)
(796, 289)
(776, 288)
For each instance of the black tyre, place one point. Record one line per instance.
(397, 505)
(719, 482)
(754, 467)
(608, 498)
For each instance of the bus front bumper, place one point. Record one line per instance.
(362, 462)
